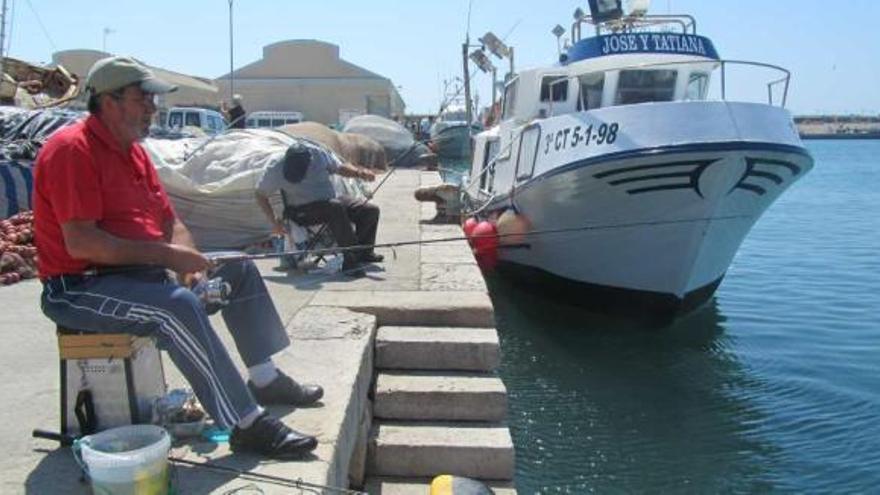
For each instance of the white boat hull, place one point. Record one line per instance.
(646, 228)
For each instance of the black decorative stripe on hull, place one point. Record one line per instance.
(606, 299)
(752, 171)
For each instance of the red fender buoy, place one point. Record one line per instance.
(485, 242)
(468, 226)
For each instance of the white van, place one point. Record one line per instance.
(210, 121)
(272, 119)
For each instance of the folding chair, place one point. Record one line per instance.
(317, 234)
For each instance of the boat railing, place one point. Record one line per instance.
(783, 81)
(634, 24)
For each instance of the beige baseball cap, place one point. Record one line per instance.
(112, 73)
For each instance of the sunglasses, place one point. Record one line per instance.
(143, 97)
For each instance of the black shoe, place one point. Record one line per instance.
(270, 437)
(353, 269)
(354, 272)
(372, 258)
(284, 390)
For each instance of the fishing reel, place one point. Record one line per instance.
(212, 291)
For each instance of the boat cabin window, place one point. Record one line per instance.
(698, 83)
(554, 88)
(488, 171)
(639, 86)
(592, 86)
(509, 99)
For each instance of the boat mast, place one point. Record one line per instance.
(467, 79)
(465, 68)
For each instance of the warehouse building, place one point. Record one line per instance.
(308, 76)
(191, 90)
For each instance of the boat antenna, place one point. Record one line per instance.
(467, 33)
(512, 28)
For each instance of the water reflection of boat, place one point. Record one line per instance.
(628, 406)
(645, 185)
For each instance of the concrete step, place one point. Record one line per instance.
(426, 450)
(422, 486)
(420, 307)
(437, 348)
(445, 397)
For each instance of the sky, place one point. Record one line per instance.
(833, 52)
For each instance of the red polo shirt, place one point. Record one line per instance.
(82, 173)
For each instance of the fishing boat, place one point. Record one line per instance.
(636, 165)
(450, 133)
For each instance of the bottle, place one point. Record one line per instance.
(277, 244)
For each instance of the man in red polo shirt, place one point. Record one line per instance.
(106, 235)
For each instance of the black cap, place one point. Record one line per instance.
(296, 162)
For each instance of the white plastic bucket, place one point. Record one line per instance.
(128, 460)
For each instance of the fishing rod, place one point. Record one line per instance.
(254, 476)
(392, 166)
(67, 440)
(222, 257)
(212, 138)
(226, 257)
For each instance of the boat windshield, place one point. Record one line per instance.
(554, 88)
(592, 86)
(698, 86)
(640, 86)
(509, 99)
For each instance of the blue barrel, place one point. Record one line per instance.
(16, 187)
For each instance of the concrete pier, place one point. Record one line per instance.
(428, 302)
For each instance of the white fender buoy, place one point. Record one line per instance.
(512, 228)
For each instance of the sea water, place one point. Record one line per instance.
(773, 386)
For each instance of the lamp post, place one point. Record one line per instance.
(231, 75)
(479, 57)
(107, 32)
(2, 39)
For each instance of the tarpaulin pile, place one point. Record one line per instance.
(22, 134)
(398, 142)
(212, 187)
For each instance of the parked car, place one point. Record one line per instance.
(210, 121)
(272, 119)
